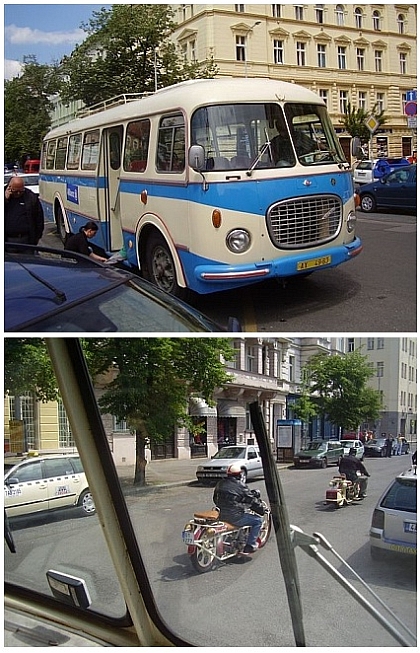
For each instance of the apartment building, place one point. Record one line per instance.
(365, 55)
(394, 364)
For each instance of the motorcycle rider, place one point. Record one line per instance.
(350, 465)
(233, 497)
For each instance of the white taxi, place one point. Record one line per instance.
(38, 483)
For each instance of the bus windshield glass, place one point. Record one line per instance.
(313, 135)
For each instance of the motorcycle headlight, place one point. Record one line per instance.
(238, 240)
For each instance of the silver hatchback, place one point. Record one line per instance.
(394, 520)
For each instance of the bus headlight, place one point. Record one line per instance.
(238, 240)
(351, 221)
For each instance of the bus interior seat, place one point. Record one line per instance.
(217, 163)
(137, 166)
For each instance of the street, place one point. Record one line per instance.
(235, 604)
(376, 291)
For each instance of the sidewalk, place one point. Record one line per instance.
(171, 471)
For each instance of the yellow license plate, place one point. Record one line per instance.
(314, 263)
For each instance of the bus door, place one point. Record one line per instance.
(112, 151)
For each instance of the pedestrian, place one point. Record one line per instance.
(23, 215)
(400, 440)
(388, 445)
(79, 242)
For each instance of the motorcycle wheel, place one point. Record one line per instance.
(203, 561)
(265, 530)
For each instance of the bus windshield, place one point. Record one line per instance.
(241, 136)
(313, 135)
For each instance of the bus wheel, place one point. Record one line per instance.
(161, 266)
(61, 227)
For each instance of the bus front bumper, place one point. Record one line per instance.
(211, 278)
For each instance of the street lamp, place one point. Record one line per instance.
(257, 22)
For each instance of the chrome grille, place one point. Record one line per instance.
(304, 221)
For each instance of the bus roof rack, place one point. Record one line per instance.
(124, 98)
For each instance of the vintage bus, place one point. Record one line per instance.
(206, 185)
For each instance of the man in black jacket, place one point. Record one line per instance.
(23, 214)
(233, 497)
(350, 465)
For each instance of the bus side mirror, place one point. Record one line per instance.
(196, 158)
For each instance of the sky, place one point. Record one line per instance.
(48, 31)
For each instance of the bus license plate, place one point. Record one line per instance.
(410, 527)
(188, 537)
(313, 263)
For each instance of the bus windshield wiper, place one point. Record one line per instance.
(264, 148)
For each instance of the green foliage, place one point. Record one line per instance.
(26, 107)
(127, 50)
(354, 121)
(155, 376)
(340, 386)
(27, 368)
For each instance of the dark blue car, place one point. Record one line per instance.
(393, 191)
(55, 290)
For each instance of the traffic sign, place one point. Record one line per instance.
(411, 96)
(410, 108)
(372, 124)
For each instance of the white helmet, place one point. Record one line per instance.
(234, 469)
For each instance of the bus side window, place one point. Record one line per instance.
(49, 155)
(75, 149)
(90, 153)
(170, 156)
(136, 151)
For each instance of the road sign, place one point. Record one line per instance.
(412, 122)
(372, 124)
(411, 96)
(410, 108)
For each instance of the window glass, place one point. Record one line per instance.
(57, 467)
(75, 149)
(90, 150)
(60, 155)
(50, 155)
(30, 472)
(170, 156)
(136, 151)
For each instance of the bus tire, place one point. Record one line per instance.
(161, 267)
(61, 226)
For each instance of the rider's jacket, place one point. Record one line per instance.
(232, 497)
(349, 465)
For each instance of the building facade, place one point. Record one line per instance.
(365, 55)
(394, 366)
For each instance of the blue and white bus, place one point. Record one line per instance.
(207, 185)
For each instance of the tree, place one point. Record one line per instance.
(127, 50)
(340, 386)
(354, 121)
(152, 380)
(147, 380)
(26, 109)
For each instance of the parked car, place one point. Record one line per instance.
(55, 290)
(319, 454)
(394, 520)
(398, 190)
(377, 447)
(369, 170)
(215, 468)
(353, 444)
(34, 484)
(31, 180)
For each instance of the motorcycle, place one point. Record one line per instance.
(342, 492)
(211, 540)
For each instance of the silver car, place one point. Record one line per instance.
(353, 444)
(394, 520)
(247, 455)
